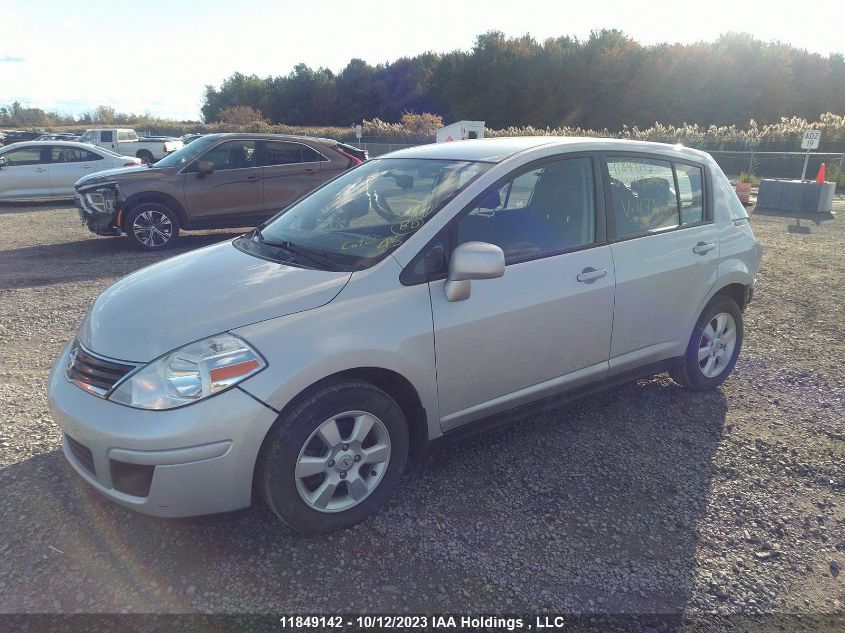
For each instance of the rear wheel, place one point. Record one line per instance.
(151, 226)
(335, 458)
(713, 347)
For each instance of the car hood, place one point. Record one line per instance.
(121, 173)
(195, 295)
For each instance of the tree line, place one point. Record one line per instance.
(604, 82)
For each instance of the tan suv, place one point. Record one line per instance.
(218, 181)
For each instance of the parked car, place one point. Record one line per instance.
(220, 180)
(59, 136)
(426, 293)
(18, 136)
(126, 142)
(361, 154)
(41, 169)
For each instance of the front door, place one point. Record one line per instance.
(290, 171)
(546, 325)
(666, 252)
(25, 174)
(233, 194)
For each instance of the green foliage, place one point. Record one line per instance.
(604, 82)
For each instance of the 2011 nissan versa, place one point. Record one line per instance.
(422, 294)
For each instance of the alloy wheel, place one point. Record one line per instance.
(343, 461)
(717, 344)
(152, 228)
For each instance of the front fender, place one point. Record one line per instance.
(390, 329)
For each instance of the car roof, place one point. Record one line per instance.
(495, 150)
(55, 143)
(269, 137)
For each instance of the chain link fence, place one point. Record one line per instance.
(733, 163)
(778, 164)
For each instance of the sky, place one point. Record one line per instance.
(157, 56)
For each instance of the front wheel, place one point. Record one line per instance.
(151, 226)
(713, 347)
(335, 458)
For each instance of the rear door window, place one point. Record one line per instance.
(277, 153)
(107, 136)
(644, 195)
(72, 155)
(281, 153)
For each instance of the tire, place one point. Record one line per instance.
(163, 222)
(709, 360)
(145, 156)
(297, 463)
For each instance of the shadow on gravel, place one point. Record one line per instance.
(81, 260)
(815, 218)
(592, 508)
(34, 206)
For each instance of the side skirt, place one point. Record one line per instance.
(554, 402)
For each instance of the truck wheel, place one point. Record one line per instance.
(335, 458)
(151, 226)
(145, 156)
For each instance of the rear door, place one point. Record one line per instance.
(69, 164)
(233, 193)
(26, 174)
(290, 170)
(665, 254)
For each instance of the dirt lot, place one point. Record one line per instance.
(648, 498)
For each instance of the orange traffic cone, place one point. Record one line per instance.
(822, 173)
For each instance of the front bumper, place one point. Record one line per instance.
(199, 459)
(97, 222)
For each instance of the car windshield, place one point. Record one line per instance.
(362, 215)
(187, 153)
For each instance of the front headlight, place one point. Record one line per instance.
(190, 373)
(103, 199)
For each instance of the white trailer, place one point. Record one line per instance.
(460, 131)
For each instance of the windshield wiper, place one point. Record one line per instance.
(318, 257)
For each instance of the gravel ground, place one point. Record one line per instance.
(644, 499)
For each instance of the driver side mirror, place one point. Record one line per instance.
(205, 168)
(473, 260)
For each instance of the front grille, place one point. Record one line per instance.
(93, 373)
(82, 454)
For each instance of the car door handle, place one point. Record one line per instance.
(40, 169)
(590, 274)
(310, 171)
(703, 247)
(253, 179)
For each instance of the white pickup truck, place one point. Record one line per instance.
(127, 143)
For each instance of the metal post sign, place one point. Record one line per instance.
(809, 141)
(358, 130)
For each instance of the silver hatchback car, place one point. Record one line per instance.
(428, 292)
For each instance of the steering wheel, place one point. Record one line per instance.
(380, 205)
